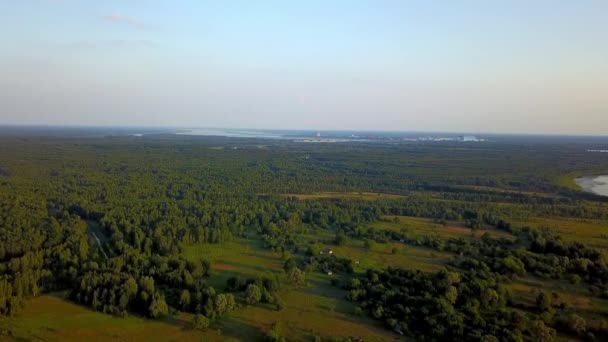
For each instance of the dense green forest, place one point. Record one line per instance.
(112, 221)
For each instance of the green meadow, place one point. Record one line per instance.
(371, 196)
(52, 318)
(244, 258)
(589, 231)
(416, 227)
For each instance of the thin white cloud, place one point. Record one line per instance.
(132, 43)
(118, 43)
(120, 19)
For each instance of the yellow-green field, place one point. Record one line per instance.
(345, 195)
(503, 190)
(416, 227)
(52, 318)
(591, 232)
(380, 256)
(316, 310)
(577, 297)
(243, 258)
(568, 181)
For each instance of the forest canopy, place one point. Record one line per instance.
(109, 221)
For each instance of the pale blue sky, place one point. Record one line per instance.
(492, 66)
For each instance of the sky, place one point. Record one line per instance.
(515, 66)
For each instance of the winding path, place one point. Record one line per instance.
(99, 244)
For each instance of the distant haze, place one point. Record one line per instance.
(475, 66)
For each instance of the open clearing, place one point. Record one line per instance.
(591, 232)
(242, 258)
(346, 195)
(316, 310)
(381, 256)
(52, 318)
(416, 227)
(577, 297)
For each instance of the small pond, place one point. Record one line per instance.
(594, 184)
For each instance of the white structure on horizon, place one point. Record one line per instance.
(468, 138)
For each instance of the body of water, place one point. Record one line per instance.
(234, 133)
(594, 184)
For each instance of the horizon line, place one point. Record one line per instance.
(419, 131)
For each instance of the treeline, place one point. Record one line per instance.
(470, 305)
(444, 306)
(55, 263)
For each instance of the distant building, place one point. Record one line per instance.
(467, 138)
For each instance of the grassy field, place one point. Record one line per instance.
(316, 310)
(591, 232)
(416, 227)
(345, 195)
(503, 190)
(242, 257)
(577, 297)
(381, 256)
(51, 318)
(568, 181)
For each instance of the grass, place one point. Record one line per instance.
(503, 190)
(52, 318)
(381, 256)
(417, 227)
(593, 233)
(242, 257)
(576, 296)
(316, 310)
(345, 195)
(568, 181)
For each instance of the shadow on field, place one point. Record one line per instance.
(238, 329)
(337, 302)
(241, 265)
